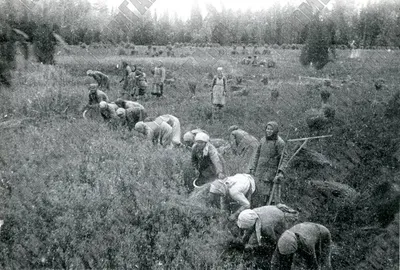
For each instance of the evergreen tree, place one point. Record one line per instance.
(316, 49)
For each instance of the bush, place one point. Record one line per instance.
(316, 50)
(44, 44)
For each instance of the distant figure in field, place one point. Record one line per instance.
(311, 241)
(157, 133)
(218, 92)
(102, 79)
(206, 160)
(237, 189)
(128, 79)
(267, 167)
(141, 84)
(244, 51)
(245, 145)
(159, 78)
(134, 111)
(255, 61)
(96, 95)
(154, 53)
(176, 127)
(266, 223)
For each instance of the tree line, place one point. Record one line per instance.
(80, 21)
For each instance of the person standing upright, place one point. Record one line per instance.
(218, 92)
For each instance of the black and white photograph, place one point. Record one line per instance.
(200, 134)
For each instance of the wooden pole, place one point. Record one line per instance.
(309, 138)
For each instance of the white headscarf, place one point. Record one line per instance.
(247, 219)
(141, 127)
(188, 137)
(103, 104)
(203, 137)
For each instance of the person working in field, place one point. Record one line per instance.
(102, 79)
(96, 95)
(266, 223)
(176, 127)
(311, 241)
(159, 78)
(237, 189)
(218, 92)
(141, 84)
(134, 111)
(245, 145)
(267, 166)
(129, 81)
(157, 133)
(206, 160)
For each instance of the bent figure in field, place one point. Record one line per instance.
(121, 114)
(206, 160)
(266, 166)
(238, 189)
(102, 79)
(108, 110)
(159, 78)
(157, 133)
(311, 241)
(245, 145)
(176, 127)
(267, 223)
(96, 95)
(134, 111)
(218, 92)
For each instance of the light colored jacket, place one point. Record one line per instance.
(175, 124)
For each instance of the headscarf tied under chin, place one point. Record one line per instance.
(275, 128)
(287, 243)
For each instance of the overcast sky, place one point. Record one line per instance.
(183, 7)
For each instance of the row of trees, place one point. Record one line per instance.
(81, 21)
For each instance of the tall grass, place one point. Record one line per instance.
(85, 196)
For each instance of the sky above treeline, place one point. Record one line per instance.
(183, 7)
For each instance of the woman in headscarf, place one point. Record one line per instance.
(267, 166)
(243, 144)
(267, 223)
(134, 111)
(157, 133)
(218, 92)
(311, 241)
(129, 80)
(108, 110)
(238, 189)
(102, 79)
(96, 95)
(206, 160)
(176, 127)
(159, 78)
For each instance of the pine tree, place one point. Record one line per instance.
(316, 49)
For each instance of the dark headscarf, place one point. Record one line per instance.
(275, 128)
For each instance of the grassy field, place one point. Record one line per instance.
(82, 195)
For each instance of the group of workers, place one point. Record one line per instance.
(258, 185)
